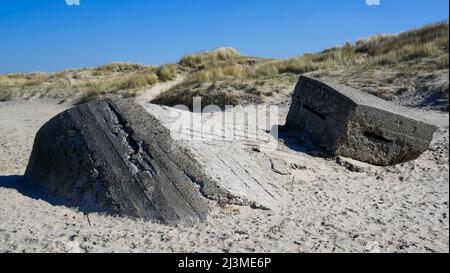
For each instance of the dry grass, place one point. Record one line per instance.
(125, 85)
(429, 41)
(119, 67)
(214, 57)
(382, 44)
(167, 72)
(217, 74)
(412, 52)
(409, 53)
(122, 79)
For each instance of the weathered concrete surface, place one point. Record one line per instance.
(246, 169)
(354, 124)
(111, 156)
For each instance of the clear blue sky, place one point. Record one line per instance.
(48, 35)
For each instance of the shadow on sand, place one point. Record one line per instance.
(300, 143)
(21, 185)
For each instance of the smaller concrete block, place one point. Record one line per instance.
(357, 125)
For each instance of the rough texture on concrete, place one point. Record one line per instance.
(354, 124)
(111, 156)
(242, 174)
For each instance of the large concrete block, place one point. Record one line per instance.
(354, 124)
(111, 156)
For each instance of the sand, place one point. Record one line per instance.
(327, 205)
(156, 90)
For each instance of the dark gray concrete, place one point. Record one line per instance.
(112, 156)
(358, 125)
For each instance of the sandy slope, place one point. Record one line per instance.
(326, 206)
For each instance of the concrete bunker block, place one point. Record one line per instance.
(353, 124)
(111, 156)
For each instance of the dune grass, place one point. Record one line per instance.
(417, 50)
(219, 64)
(429, 41)
(382, 44)
(119, 67)
(210, 58)
(167, 72)
(122, 79)
(422, 49)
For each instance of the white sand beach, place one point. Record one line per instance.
(327, 205)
